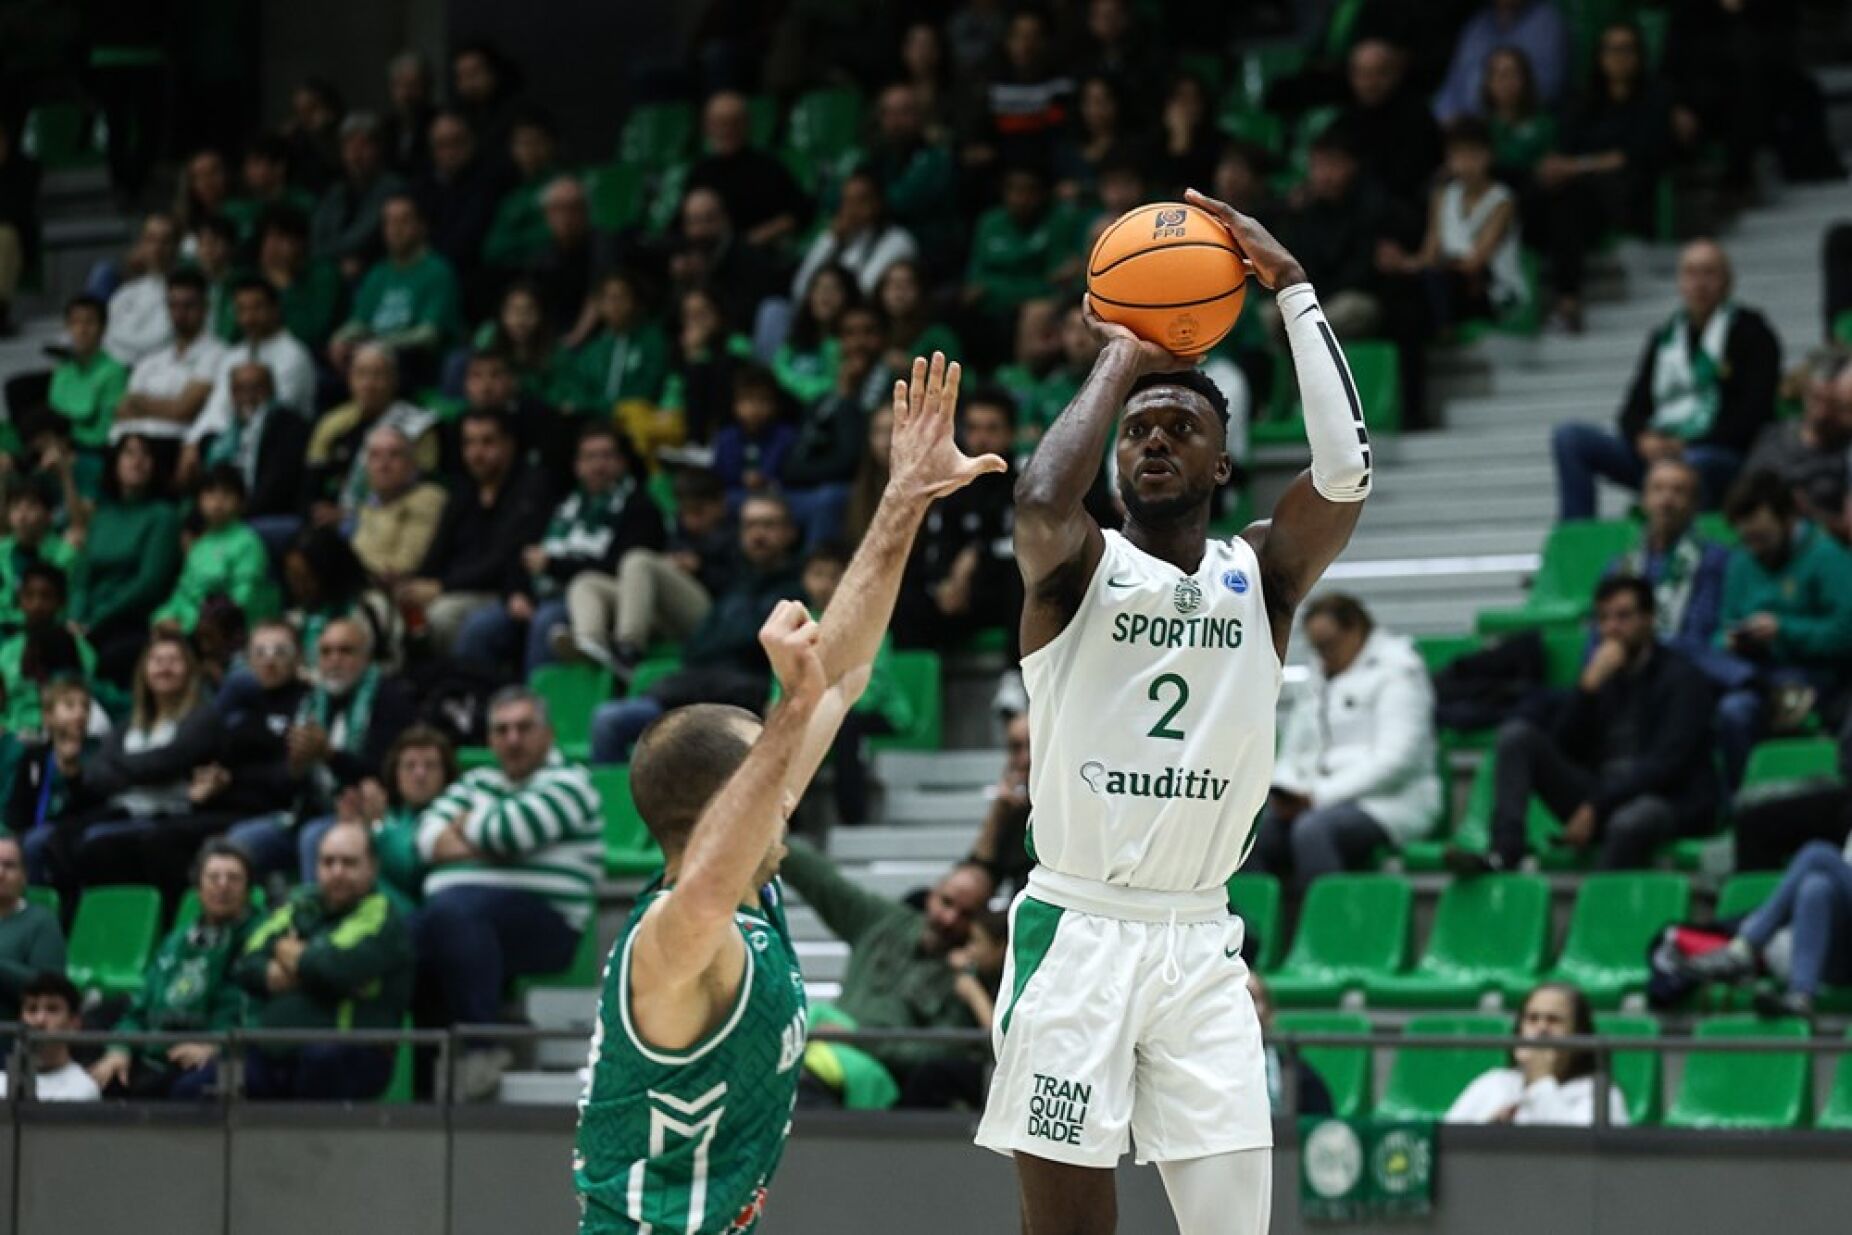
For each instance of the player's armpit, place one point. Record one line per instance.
(675, 1000)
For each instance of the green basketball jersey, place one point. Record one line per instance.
(684, 1142)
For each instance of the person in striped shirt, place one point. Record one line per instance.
(514, 857)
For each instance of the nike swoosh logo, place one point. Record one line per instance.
(1122, 583)
(1231, 953)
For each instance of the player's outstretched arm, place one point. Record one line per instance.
(926, 465)
(1058, 544)
(1313, 520)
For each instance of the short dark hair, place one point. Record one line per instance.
(83, 301)
(532, 117)
(409, 198)
(224, 478)
(681, 761)
(219, 226)
(222, 847)
(1119, 164)
(490, 354)
(51, 982)
(754, 379)
(287, 220)
(45, 572)
(1759, 491)
(1470, 131)
(189, 278)
(1335, 139)
(503, 422)
(1190, 379)
(269, 147)
(418, 737)
(256, 283)
(28, 490)
(698, 484)
(1614, 585)
(1344, 609)
(833, 550)
(994, 397)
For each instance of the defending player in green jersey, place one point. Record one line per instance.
(694, 1061)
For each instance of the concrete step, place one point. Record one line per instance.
(825, 960)
(1435, 580)
(872, 842)
(903, 806)
(541, 1088)
(1440, 541)
(936, 770)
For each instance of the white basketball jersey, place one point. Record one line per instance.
(1151, 721)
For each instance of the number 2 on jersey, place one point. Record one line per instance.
(1156, 694)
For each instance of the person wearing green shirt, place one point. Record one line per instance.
(31, 942)
(266, 186)
(187, 987)
(131, 557)
(217, 242)
(309, 288)
(911, 330)
(1022, 249)
(628, 357)
(42, 651)
(228, 559)
(805, 363)
(1522, 132)
(409, 300)
(419, 765)
(30, 539)
(518, 234)
(87, 385)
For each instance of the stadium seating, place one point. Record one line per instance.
(1615, 916)
(1350, 928)
(629, 849)
(1837, 1113)
(572, 693)
(1256, 897)
(1489, 934)
(656, 135)
(1743, 891)
(1636, 1072)
(1472, 831)
(1574, 556)
(1424, 1082)
(617, 195)
(1745, 1090)
(1783, 761)
(1348, 1071)
(112, 937)
(1376, 368)
(823, 125)
(918, 674)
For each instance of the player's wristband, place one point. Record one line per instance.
(1333, 412)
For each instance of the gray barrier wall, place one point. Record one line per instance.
(280, 1170)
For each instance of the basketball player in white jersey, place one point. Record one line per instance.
(1152, 660)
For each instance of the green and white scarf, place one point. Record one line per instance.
(345, 722)
(1687, 385)
(239, 444)
(1672, 590)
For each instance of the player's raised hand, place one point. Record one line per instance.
(1152, 357)
(790, 639)
(1265, 256)
(927, 462)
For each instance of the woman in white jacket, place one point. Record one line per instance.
(1544, 1084)
(1356, 763)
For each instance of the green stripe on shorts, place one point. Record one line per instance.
(1034, 934)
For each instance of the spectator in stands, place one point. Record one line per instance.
(51, 1004)
(749, 453)
(1813, 453)
(963, 575)
(420, 765)
(43, 651)
(215, 243)
(1704, 388)
(625, 359)
(262, 340)
(1787, 610)
(912, 330)
(722, 659)
(1686, 571)
(203, 192)
(1533, 28)
(29, 540)
(409, 300)
(521, 334)
(1023, 106)
(1241, 178)
(310, 287)
(761, 197)
(169, 385)
(267, 185)
(313, 133)
(518, 232)
(655, 595)
(138, 322)
(927, 76)
(87, 386)
(514, 852)
(335, 956)
(406, 130)
(458, 195)
(39, 792)
(252, 775)
(398, 518)
(1019, 249)
(1814, 902)
(187, 986)
(562, 270)
(1609, 159)
(476, 553)
(706, 253)
(959, 1080)
(19, 219)
(698, 396)
(820, 464)
(266, 442)
(1523, 132)
(336, 456)
(1113, 48)
(1356, 766)
(804, 362)
(1311, 1095)
(918, 176)
(226, 559)
(30, 939)
(484, 86)
(1102, 134)
(1002, 846)
(859, 238)
(132, 555)
(141, 774)
(1629, 760)
(1188, 141)
(898, 976)
(607, 515)
(1468, 264)
(1543, 1085)
(1335, 226)
(346, 226)
(1395, 138)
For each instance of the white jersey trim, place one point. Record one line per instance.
(676, 1059)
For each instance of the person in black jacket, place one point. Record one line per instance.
(963, 575)
(1629, 761)
(267, 443)
(830, 433)
(459, 194)
(475, 557)
(1397, 141)
(1704, 389)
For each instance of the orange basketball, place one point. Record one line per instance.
(1169, 273)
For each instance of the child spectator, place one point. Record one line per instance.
(750, 452)
(131, 557)
(29, 540)
(522, 333)
(625, 360)
(43, 650)
(49, 1003)
(87, 385)
(227, 558)
(821, 464)
(698, 397)
(1543, 1085)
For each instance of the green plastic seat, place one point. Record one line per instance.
(1263, 66)
(1424, 1082)
(1489, 934)
(1786, 760)
(1350, 927)
(1473, 830)
(919, 675)
(1257, 128)
(59, 135)
(666, 198)
(656, 135)
(629, 849)
(824, 124)
(1616, 915)
(1347, 1071)
(1638, 1073)
(1574, 556)
(112, 938)
(471, 757)
(1842, 328)
(761, 121)
(616, 195)
(1256, 897)
(46, 896)
(1837, 1113)
(1741, 1090)
(1744, 891)
(1439, 651)
(573, 693)
(1375, 367)
(653, 669)
(398, 1091)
